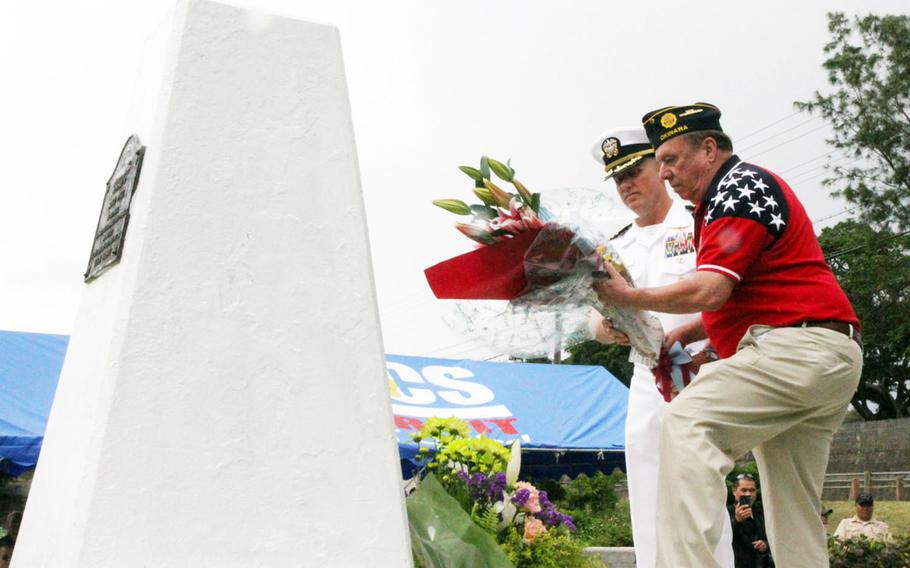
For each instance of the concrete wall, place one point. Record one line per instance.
(878, 446)
(882, 445)
(615, 556)
(224, 401)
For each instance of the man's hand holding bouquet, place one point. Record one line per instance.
(540, 259)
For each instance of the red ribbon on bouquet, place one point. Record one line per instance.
(672, 370)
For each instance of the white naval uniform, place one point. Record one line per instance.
(655, 255)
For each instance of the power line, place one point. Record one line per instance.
(808, 179)
(797, 166)
(833, 215)
(762, 129)
(820, 174)
(814, 168)
(865, 245)
(781, 133)
(790, 140)
(808, 174)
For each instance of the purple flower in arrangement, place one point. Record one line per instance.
(544, 500)
(550, 516)
(484, 488)
(547, 512)
(497, 484)
(567, 521)
(520, 497)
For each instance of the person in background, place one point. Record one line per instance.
(657, 248)
(750, 541)
(862, 523)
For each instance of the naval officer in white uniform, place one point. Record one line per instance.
(657, 248)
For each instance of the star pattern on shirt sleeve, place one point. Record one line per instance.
(750, 193)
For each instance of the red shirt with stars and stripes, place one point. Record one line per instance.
(751, 228)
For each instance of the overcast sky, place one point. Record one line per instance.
(432, 85)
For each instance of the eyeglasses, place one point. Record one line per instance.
(745, 476)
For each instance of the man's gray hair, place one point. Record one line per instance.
(699, 136)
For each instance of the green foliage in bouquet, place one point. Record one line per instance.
(456, 454)
(548, 551)
(480, 476)
(456, 449)
(500, 214)
(864, 553)
(442, 534)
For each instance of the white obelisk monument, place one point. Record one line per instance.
(224, 399)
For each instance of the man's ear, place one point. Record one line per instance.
(709, 145)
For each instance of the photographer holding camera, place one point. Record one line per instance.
(750, 542)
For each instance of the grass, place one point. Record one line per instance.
(895, 513)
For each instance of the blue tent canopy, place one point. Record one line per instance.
(569, 418)
(30, 365)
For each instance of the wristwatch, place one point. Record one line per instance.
(710, 354)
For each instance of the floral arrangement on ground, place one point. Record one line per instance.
(482, 512)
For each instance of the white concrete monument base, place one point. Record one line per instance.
(224, 399)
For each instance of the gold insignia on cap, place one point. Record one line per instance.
(668, 120)
(610, 147)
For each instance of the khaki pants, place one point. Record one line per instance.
(783, 395)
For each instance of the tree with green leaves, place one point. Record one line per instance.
(873, 268)
(869, 72)
(614, 358)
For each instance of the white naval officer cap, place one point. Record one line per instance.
(621, 148)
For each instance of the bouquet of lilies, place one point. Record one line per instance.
(543, 262)
(499, 215)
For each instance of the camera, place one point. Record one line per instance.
(745, 500)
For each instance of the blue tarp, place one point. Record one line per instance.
(560, 412)
(30, 365)
(563, 409)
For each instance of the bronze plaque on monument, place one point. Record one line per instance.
(115, 210)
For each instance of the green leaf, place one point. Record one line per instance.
(535, 202)
(486, 518)
(485, 167)
(456, 206)
(442, 533)
(472, 173)
(484, 212)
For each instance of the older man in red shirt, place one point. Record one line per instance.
(788, 337)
